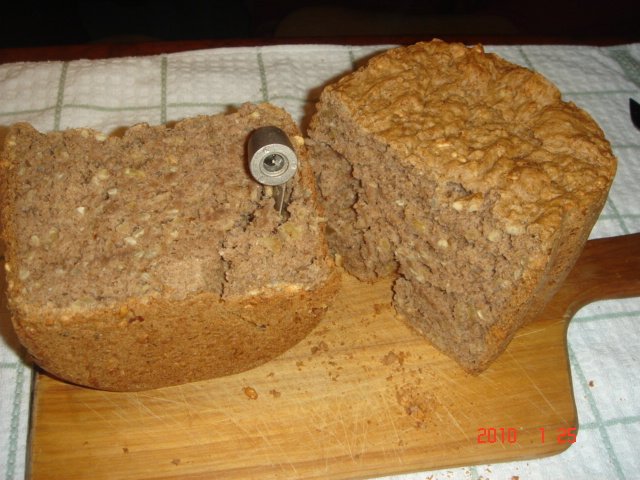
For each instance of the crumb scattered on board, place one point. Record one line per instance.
(393, 357)
(412, 395)
(416, 403)
(379, 307)
(251, 393)
(320, 347)
(275, 393)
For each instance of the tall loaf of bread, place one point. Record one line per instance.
(469, 178)
(154, 258)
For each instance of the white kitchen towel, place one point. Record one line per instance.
(604, 338)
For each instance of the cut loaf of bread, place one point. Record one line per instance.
(469, 178)
(153, 258)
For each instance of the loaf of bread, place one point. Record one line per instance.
(466, 176)
(153, 258)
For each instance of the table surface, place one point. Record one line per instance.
(165, 82)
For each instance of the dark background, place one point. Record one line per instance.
(29, 23)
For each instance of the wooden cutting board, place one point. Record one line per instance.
(362, 396)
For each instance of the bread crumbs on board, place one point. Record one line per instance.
(379, 307)
(393, 357)
(251, 393)
(320, 347)
(275, 393)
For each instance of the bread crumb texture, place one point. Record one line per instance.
(153, 258)
(467, 177)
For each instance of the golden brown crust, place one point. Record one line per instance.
(496, 122)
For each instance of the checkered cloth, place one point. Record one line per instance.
(604, 338)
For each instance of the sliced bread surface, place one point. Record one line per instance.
(153, 258)
(466, 176)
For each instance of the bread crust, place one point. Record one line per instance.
(473, 174)
(136, 335)
(146, 345)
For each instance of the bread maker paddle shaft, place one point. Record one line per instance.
(272, 161)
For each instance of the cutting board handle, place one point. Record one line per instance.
(607, 268)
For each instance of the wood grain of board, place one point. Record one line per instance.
(361, 396)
